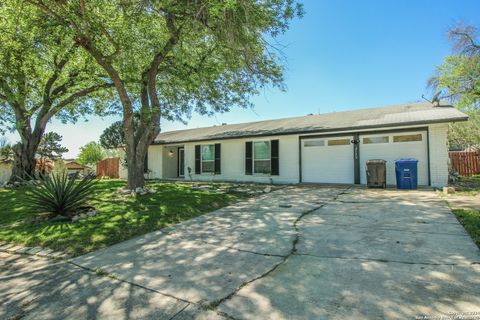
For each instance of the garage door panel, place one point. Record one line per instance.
(328, 160)
(394, 146)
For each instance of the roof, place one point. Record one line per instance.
(390, 116)
(69, 164)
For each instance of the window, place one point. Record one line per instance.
(208, 158)
(375, 140)
(314, 143)
(408, 138)
(261, 157)
(339, 142)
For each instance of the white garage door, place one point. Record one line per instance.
(328, 160)
(393, 146)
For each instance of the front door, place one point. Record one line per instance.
(181, 162)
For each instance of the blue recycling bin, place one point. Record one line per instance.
(406, 173)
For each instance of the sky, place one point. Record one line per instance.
(341, 55)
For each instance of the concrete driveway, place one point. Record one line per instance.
(296, 253)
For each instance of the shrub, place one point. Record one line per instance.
(57, 194)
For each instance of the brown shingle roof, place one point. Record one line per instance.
(407, 114)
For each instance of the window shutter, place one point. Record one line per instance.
(198, 163)
(248, 157)
(218, 164)
(274, 158)
(145, 163)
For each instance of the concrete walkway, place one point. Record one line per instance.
(297, 253)
(464, 201)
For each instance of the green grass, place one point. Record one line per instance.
(120, 217)
(470, 219)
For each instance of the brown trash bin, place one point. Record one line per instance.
(376, 173)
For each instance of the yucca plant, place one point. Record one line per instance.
(56, 193)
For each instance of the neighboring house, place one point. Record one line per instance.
(72, 167)
(6, 166)
(325, 148)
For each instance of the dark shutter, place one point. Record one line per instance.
(274, 158)
(145, 163)
(248, 157)
(198, 163)
(218, 164)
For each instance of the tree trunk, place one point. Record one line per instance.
(24, 162)
(136, 178)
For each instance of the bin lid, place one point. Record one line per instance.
(406, 161)
(377, 161)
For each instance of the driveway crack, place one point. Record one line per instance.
(216, 303)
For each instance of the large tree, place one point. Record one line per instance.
(168, 58)
(91, 153)
(43, 74)
(459, 79)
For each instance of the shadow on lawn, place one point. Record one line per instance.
(120, 217)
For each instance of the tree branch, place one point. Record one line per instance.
(56, 72)
(77, 95)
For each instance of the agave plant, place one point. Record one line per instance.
(58, 194)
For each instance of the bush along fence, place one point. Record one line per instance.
(465, 163)
(108, 168)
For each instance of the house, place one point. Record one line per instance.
(324, 148)
(74, 167)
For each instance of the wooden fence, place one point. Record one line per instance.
(108, 168)
(465, 163)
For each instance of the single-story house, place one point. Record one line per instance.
(323, 148)
(74, 167)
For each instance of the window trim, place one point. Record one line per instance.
(202, 161)
(374, 137)
(339, 144)
(406, 135)
(315, 143)
(269, 158)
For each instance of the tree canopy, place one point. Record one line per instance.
(43, 74)
(91, 153)
(458, 77)
(171, 58)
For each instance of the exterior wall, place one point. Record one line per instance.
(5, 172)
(438, 155)
(233, 158)
(233, 161)
(155, 162)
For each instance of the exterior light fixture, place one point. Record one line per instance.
(170, 153)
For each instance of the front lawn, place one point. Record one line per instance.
(470, 219)
(120, 217)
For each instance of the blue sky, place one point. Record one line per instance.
(341, 55)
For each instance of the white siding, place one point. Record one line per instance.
(438, 155)
(155, 162)
(233, 161)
